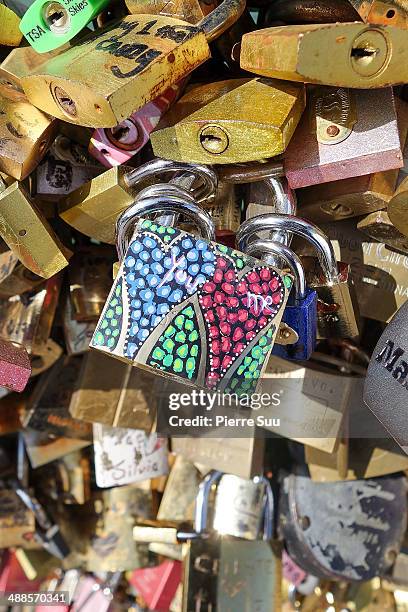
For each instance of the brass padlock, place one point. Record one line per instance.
(187, 10)
(15, 278)
(10, 34)
(338, 54)
(20, 62)
(218, 123)
(117, 70)
(398, 207)
(25, 133)
(29, 235)
(114, 394)
(379, 227)
(307, 11)
(384, 12)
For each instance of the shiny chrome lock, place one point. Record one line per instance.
(301, 310)
(119, 69)
(386, 388)
(49, 25)
(218, 123)
(10, 34)
(25, 133)
(338, 54)
(343, 133)
(338, 315)
(343, 530)
(185, 306)
(115, 146)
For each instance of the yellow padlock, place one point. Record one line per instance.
(230, 121)
(10, 34)
(25, 133)
(115, 71)
(188, 10)
(28, 234)
(340, 54)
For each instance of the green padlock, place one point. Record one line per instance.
(49, 25)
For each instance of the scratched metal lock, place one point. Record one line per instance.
(20, 62)
(337, 311)
(163, 311)
(384, 12)
(10, 34)
(26, 133)
(15, 278)
(188, 10)
(218, 123)
(29, 235)
(379, 227)
(115, 146)
(114, 72)
(223, 573)
(343, 530)
(341, 135)
(385, 391)
(49, 25)
(15, 368)
(114, 393)
(301, 310)
(338, 54)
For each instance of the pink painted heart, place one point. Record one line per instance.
(235, 311)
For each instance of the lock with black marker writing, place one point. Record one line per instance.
(183, 305)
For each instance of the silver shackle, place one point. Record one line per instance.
(299, 227)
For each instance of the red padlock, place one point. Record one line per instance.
(15, 367)
(158, 585)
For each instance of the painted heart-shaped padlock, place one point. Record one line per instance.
(192, 309)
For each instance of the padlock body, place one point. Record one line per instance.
(302, 317)
(230, 121)
(49, 25)
(117, 70)
(192, 310)
(10, 34)
(337, 54)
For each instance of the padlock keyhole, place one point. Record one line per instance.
(214, 139)
(57, 18)
(364, 55)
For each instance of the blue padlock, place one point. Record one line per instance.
(301, 309)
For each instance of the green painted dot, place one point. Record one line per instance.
(168, 345)
(189, 311)
(263, 341)
(115, 333)
(240, 263)
(158, 353)
(194, 350)
(189, 325)
(287, 281)
(182, 351)
(109, 313)
(161, 230)
(253, 367)
(179, 321)
(190, 366)
(178, 365)
(247, 360)
(171, 230)
(114, 322)
(108, 331)
(98, 339)
(114, 302)
(168, 360)
(170, 331)
(241, 369)
(146, 223)
(104, 324)
(222, 248)
(180, 337)
(193, 336)
(256, 352)
(118, 310)
(111, 342)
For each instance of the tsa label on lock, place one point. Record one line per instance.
(173, 296)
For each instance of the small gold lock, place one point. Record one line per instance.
(10, 34)
(21, 62)
(230, 121)
(93, 208)
(25, 133)
(384, 12)
(117, 70)
(29, 235)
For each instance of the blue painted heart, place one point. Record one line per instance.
(163, 266)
